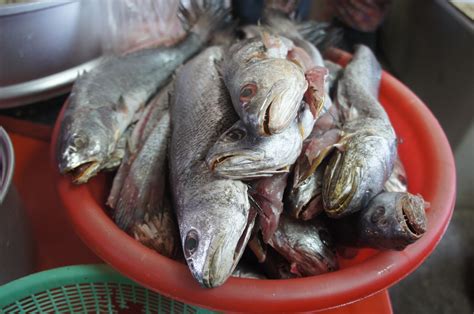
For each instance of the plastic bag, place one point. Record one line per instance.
(134, 24)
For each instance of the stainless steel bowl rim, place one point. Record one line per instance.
(20, 8)
(7, 163)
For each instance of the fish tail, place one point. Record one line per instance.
(321, 35)
(159, 231)
(202, 19)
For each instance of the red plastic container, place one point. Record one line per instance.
(429, 162)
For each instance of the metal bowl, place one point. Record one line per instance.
(44, 45)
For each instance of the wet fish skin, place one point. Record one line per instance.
(142, 189)
(307, 245)
(104, 102)
(366, 153)
(266, 89)
(391, 221)
(213, 214)
(151, 115)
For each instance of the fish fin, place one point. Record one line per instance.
(321, 35)
(121, 105)
(203, 18)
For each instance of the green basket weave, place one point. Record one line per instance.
(85, 289)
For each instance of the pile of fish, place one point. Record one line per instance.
(256, 144)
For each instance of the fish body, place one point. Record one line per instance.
(366, 153)
(266, 89)
(213, 213)
(105, 101)
(391, 221)
(306, 245)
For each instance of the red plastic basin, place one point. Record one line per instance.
(429, 162)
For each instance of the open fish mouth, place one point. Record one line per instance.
(410, 210)
(82, 173)
(232, 159)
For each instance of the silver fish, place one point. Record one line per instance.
(391, 221)
(307, 245)
(213, 214)
(105, 101)
(364, 159)
(138, 196)
(266, 89)
(240, 154)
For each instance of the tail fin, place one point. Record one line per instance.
(322, 35)
(203, 19)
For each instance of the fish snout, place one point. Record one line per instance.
(341, 186)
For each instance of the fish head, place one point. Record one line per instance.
(240, 154)
(215, 236)
(356, 172)
(394, 220)
(81, 151)
(267, 94)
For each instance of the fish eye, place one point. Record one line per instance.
(378, 214)
(247, 92)
(325, 237)
(235, 135)
(79, 142)
(191, 243)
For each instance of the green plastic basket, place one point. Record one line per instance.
(85, 289)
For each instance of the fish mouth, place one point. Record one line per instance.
(214, 278)
(340, 188)
(83, 172)
(279, 109)
(411, 212)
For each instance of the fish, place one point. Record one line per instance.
(106, 100)
(306, 245)
(139, 195)
(241, 154)
(268, 195)
(214, 216)
(391, 221)
(364, 158)
(266, 89)
(152, 114)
